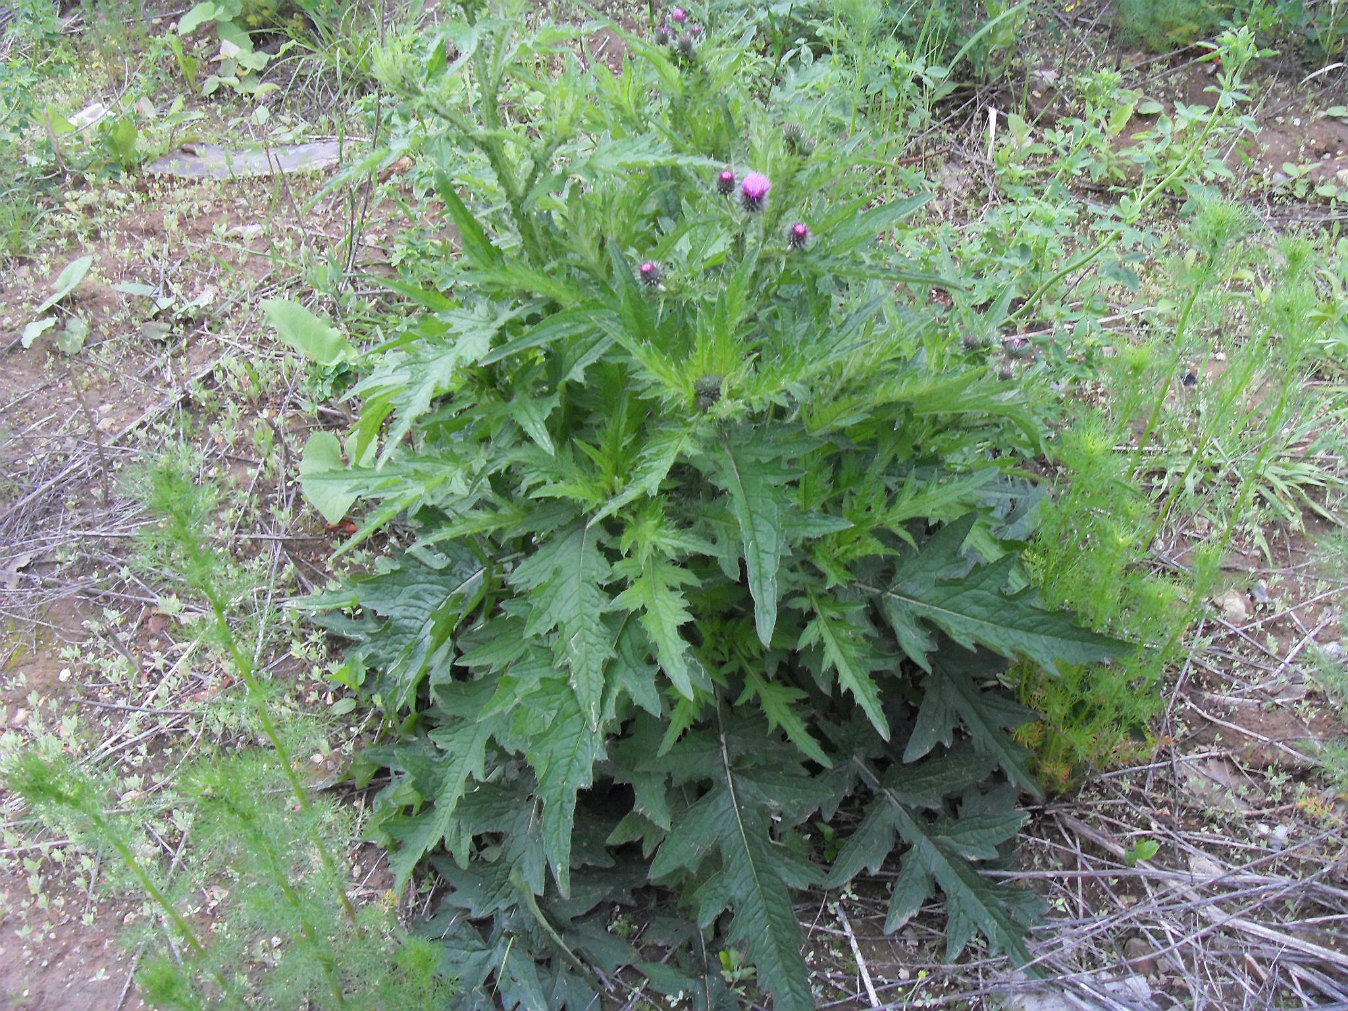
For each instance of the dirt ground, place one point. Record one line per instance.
(71, 427)
(51, 957)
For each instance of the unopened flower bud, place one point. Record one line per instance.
(725, 182)
(687, 47)
(649, 272)
(797, 235)
(754, 191)
(661, 36)
(708, 391)
(1017, 347)
(792, 134)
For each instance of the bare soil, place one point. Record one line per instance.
(53, 955)
(71, 425)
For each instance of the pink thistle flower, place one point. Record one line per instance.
(754, 190)
(649, 273)
(725, 181)
(678, 15)
(797, 235)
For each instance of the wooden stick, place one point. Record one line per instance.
(861, 962)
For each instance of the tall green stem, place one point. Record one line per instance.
(114, 840)
(1163, 387)
(109, 834)
(247, 672)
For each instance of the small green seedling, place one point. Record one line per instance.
(734, 969)
(71, 337)
(1143, 849)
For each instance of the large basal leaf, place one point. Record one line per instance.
(566, 576)
(463, 745)
(754, 879)
(420, 602)
(952, 697)
(973, 606)
(923, 785)
(563, 754)
(940, 854)
(759, 874)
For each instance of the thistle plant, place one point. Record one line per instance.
(693, 563)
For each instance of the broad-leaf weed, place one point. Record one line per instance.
(703, 530)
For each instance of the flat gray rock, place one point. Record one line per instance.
(206, 161)
(1129, 993)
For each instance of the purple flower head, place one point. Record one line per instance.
(678, 15)
(649, 272)
(797, 235)
(662, 36)
(754, 190)
(687, 46)
(695, 29)
(725, 182)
